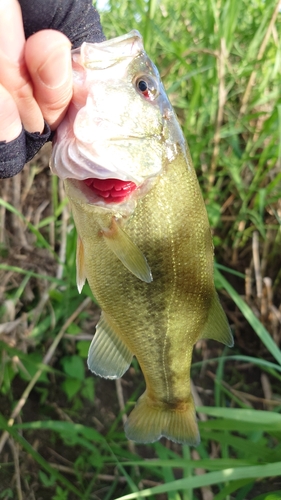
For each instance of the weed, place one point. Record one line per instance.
(62, 427)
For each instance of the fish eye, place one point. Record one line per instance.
(147, 87)
(142, 85)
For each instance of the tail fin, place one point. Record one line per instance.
(148, 423)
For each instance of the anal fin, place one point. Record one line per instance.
(216, 326)
(108, 356)
(127, 251)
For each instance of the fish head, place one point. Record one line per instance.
(120, 131)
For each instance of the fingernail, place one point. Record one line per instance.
(56, 70)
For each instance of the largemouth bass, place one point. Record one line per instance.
(144, 241)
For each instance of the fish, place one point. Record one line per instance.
(144, 242)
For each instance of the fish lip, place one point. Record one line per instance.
(108, 57)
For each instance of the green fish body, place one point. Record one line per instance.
(149, 263)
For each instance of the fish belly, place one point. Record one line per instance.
(159, 322)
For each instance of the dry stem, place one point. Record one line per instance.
(121, 401)
(222, 94)
(15, 453)
(251, 82)
(257, 264)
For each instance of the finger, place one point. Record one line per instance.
(48, 58)
(13, 72)
(10, 122)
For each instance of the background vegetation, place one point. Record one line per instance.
(62, 433)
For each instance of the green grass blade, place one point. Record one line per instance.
(64, 428)
(243, 415)
(30, 226)
(31, 274)
(267, 365)
(183, 463)
(251, 318)
(226, 475)
(230, 488)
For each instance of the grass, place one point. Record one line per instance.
(62, 433)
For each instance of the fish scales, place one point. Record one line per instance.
(158, 319)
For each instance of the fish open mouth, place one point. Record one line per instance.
(111, 190)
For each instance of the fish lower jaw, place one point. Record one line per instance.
(79, 193)
(122, 198)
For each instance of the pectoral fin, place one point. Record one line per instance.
(217, 327)
(80, 265)
(108, 356)
(127, 251)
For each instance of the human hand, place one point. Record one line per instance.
(35, 75)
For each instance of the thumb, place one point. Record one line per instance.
(10, 122)
(48, 59)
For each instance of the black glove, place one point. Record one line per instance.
(80, 22)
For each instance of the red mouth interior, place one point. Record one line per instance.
(111, 190)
